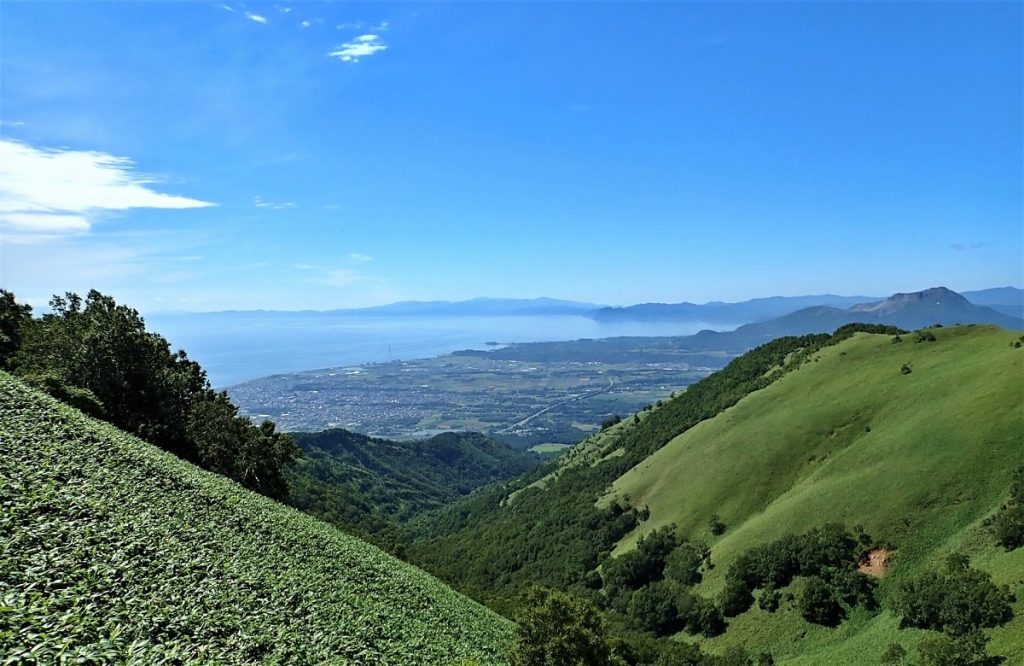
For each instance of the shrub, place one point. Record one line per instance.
(958, 602)
(555, 630)
(684, 563)
(769, 599)
(818, 605)
(736, 597)
(716, 525)
(81, 399)
(942, 650)
(894, 654)
(610, 421)
(643, 565)
(653, 609)
(1007, 526)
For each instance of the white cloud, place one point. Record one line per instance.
(227, 8)
(358, 258)
(45, 222)
(60, 191)
(340, 277)
(361, 47)
(305, 24)
(260, 203)
(255, 17)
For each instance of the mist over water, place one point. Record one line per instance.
(237, 347)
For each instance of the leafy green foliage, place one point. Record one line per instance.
(966, 650)
(112, 551)
(684, 563)
(1008, 524)
(556, 629)
(653, 608)
(828, 551)
(894, 654)
(14, 317)
(818, 605)
(957, 602)
(371, 486)
(699, 615)
(644, 565)
(97, 356)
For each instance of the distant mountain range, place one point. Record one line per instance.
(717, 312)
(937, 305)
(480, 307)
(1008, 301)
(477, 307)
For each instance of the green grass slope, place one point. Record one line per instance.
(114, 552)
(919, 459)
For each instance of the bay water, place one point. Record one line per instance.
(234, 347)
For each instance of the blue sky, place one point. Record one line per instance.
(305, 155)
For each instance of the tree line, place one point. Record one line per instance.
(98, 356)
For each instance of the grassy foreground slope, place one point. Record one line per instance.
(113, 551)
(919, 459)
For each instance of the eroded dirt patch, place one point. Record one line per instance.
(875, 563)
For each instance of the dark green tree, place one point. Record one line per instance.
(556, 629)
(683, 564)
(818, 605)
(14, 317)
(967, 650)
(958, 602)
(98, 356)
(653, 609)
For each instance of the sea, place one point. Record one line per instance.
(235, 347)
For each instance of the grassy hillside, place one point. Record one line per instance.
(112, 551)
(919, 459)
(544, 527)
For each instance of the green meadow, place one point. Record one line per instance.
(916, 441)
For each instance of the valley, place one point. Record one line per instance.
(729, 518)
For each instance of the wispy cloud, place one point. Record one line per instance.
(362, 46)
(960, 247)
(227, 8)
(361, 25)
(338, 277)
(256, 17)
(357, 258)
(47, 192)
(260, 203)
(305, 24)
